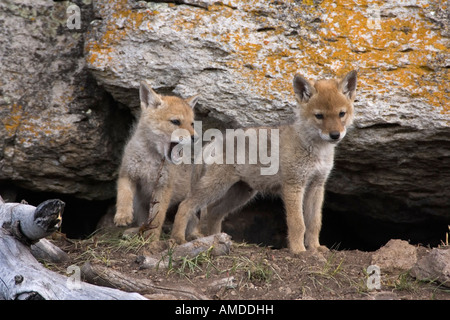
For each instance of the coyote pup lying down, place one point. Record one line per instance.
(306, 154)
(140, 176)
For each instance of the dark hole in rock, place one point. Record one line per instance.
(262, 222)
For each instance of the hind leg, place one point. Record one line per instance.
(211, 187)
(193, 228)
(235, 198)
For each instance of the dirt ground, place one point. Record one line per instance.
(252, 272)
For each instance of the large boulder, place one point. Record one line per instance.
(67, 95)
(59, 131)
(241, 57)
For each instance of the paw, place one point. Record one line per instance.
(123, 219)
(179, 239)
(322, 249)
(159, 246)
(297, 249)
(130, 233)
(317, 247)
(194, 236)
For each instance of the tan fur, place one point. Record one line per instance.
(306, 153)
(149, 145)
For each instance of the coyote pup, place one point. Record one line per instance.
(141, 174)
(306, 152)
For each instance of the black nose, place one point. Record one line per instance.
(194, 138)
(334, 135)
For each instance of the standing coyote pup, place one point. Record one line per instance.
(141, 174)
(306, 152)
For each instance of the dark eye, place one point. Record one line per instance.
(192, 124)
(319, 116)
(341, 114)
(175, 122)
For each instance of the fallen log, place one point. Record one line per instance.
(22, 277)
(44, 250)
(28, 223)
(104, 276)
(19, 217)
(218, 244)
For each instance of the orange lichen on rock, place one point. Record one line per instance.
(34, 129)
(389, 50)
(12, 122)
(119, 24)
(395, 48)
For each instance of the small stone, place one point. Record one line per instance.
(434, 266)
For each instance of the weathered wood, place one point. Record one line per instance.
(29, 223)
(44, 250)
(21, 275)
(101, 275)
(19, 219)
(219, 244)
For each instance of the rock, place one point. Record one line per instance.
(241, 57)
(59, 131)
(434, 266)
(395, 255)
(67, 95)
(217, 245)
(227, 283)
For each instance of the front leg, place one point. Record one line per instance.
(314, 195)
(293, 202)
(124, 205)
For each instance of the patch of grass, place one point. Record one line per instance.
(332, 277)
(93, 254)
(405, 282)
(101, 245)
(259, 271)
(116, 242)
(439, 289)
(168, 259)
(185, 266)
(255, 271)
(196, 263)
(330, 269)
(131, 244)
(434, 285)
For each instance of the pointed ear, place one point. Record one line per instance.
(303, 89)
(348, 85)
(192, 101)
(149, 98)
